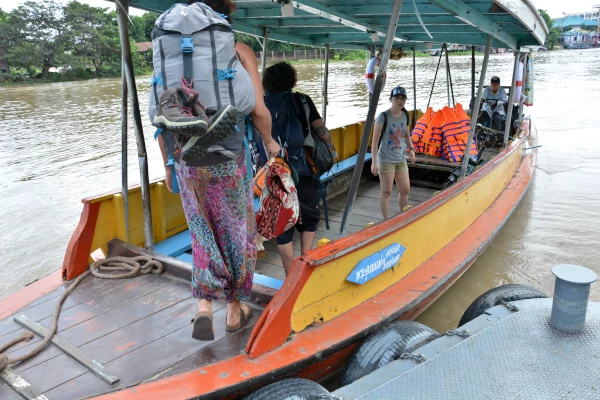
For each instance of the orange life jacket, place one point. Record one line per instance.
(421, 132)
(455, 130)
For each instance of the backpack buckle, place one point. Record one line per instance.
(187, 45)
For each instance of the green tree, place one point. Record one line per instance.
(142, 26)
(93, 35)
(553, 33)
(37, 36)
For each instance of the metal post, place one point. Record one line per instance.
(473, 73)
(571, 294)
(414, 89)
(520, 116)
(364, 143)
(325, 81)
(486, 57)
(124, 172)
(123, 21)
(445, 47)
(513, 87)
(264, 53)
(449, 80)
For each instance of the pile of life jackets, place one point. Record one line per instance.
(443, 133)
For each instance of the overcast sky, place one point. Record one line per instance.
(554, 7)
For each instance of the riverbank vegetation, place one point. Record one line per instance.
(47, 41)
(553, 33)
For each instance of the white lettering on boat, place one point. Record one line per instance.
(376, 264)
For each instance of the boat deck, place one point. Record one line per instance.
(365, 210)
(507, 355)
(140, 328)
(137, 328)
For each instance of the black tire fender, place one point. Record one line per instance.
(385, 346)
(290, 388)
(495, 296)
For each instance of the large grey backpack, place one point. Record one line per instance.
(196, 43)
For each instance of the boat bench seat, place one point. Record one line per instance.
(179, 245)
(264, 280)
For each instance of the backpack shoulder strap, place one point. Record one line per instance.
(407, 116)
(385, 122)
(303, 113)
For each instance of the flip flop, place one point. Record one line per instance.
(243, 318)
(203, 326)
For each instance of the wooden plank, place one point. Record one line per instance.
(426, 184)
(8, 393)
(69, 349)
(268, 281)
(81, 313)
(87, 290)
(113, 320)
(20, 385)
(229, 346)
(175, 245)
(173, 267)
(63, 370)
(145, 362)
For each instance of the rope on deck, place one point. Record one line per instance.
(108, 268)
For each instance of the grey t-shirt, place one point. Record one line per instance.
(392, 148)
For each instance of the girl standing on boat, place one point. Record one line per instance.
(218, 204)
(391, 137)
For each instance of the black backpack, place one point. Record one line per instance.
(318, 154)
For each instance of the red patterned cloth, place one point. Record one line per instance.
(279, 207)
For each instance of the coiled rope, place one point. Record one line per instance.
(108, 268)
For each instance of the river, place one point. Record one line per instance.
(61, 142)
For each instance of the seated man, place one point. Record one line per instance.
(493, 98)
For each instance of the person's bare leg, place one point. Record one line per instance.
(286, 252)
(387, 183)
(306, 241)
(403, 184)
(233, 312)
(205, 305)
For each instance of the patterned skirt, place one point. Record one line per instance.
(218, 202)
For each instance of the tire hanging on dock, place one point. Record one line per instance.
(385, 346)
(292, 389)
(496, 296)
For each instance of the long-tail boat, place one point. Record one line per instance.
(131, 339)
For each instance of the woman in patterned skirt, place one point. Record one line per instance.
(219, 207)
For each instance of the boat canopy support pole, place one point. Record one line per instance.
(437, 69)
(124, 172)
(474, 114)
(522, 93)
(449, 79)
(325, 82)
(414, 122)
(364, 143)
(473, 73)
(511, 94)
(122, 20)
(265, 46)
(447, 73)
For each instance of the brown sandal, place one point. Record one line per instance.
(203, 326)
(243, 318)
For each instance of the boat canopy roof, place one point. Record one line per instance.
(354, 24)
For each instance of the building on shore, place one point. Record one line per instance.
(579, 37)
(4, 67)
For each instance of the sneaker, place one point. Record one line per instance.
(220, 126)
(174, 115)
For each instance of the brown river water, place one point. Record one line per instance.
(61, 142)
